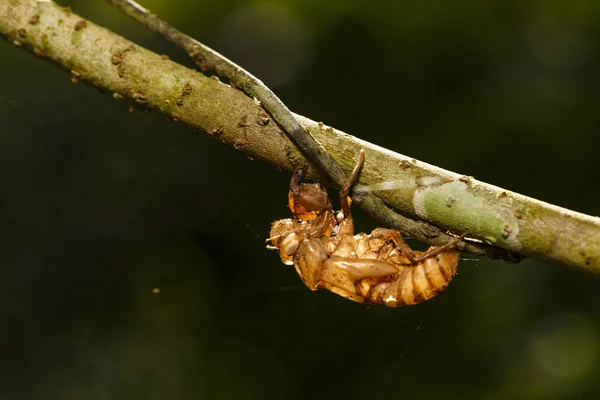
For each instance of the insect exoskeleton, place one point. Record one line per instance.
(378, 268)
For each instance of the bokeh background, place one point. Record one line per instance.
(133, 262)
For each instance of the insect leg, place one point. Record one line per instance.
(341, 274)
(359, 268)
(439, 249)
(396, 237)
(296, 176)
(345, 191)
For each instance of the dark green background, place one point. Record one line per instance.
(99, 206)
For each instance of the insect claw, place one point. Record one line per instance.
(460, 237)
(272, 238)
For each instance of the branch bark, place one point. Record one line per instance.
(499, 217)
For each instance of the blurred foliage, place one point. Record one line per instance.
(100, 206)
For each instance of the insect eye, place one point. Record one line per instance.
(290, 244)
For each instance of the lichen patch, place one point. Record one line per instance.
(454, 202)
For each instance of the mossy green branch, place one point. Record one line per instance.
(105, 60)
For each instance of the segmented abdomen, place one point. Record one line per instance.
(412, 284)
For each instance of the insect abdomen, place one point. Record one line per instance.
(413, 284)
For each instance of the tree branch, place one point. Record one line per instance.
(209, 60)
(110, 62)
